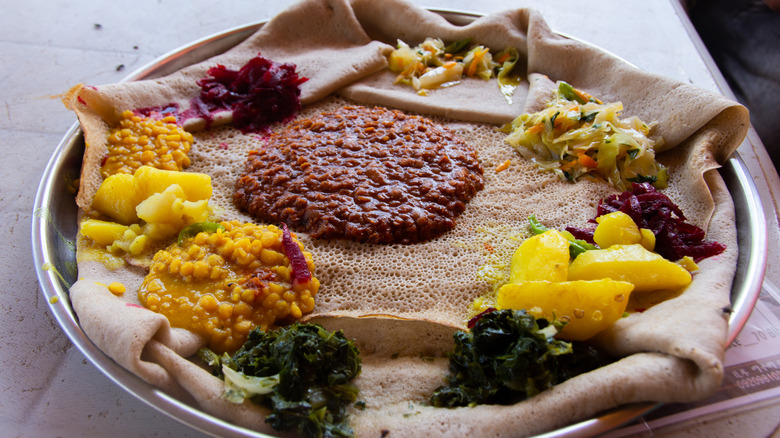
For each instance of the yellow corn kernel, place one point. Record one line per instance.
(116, 288)
(217, 273)
(295, 311)
(186, 268)
(282, 308)
(248, 295)
(226, 250)
(270, 301)
(201, 270)
(275, 288)
(154, 286)
(208, 303)
(147, 157)
(215, 260)
(255, 247)
(201, 239)
(283, 272)
(269, 257)
(269, 239)
(242, 309)
(307, 304)
(174, 267)
(243, 327)
(225, 310)
(194, 251)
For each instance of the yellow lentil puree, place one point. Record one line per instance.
(221, 285)
(140, 141)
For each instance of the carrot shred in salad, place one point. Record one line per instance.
(432, 65)
(579, 136)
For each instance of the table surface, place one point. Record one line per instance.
(48, 387)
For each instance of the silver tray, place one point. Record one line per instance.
(54, 230)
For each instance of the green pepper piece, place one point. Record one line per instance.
(576, 246)
(457, 46)
(536, 226)
(567, 92)
(194, 229)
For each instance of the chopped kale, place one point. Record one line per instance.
(507, 357)
(315, 369)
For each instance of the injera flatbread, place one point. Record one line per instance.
(402, 303)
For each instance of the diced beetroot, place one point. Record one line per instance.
(300, 269)
(159, 112)
(585, 234)
(260, 94)
(655, 211)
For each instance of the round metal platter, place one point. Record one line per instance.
(54, 230)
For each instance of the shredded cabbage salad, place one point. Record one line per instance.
(579, 136)
(432, 65)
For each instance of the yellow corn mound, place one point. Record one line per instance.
(222, 285)
(139, 141)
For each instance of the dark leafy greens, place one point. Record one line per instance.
(314, 368)
(509, 356)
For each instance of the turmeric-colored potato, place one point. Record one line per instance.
(616, 228)
(196, 186)
(171, 207)
(164, 207)
(117, 197)
(648, 239)
(541, 257)
(102, 232)
(646, 270)
(119, 194)
(588, 306)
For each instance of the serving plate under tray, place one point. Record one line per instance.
(54, 231)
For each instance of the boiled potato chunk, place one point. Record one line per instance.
(648, 239)
(646, 270)
(117, 197)
(149, 180)
(102, 232)
(588, 306)
(133, 241)
(171, 207)
(541, 257)
(616, 228)
(119, 194)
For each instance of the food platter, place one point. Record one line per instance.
(54, 229)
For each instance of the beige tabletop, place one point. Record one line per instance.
(47, 386)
